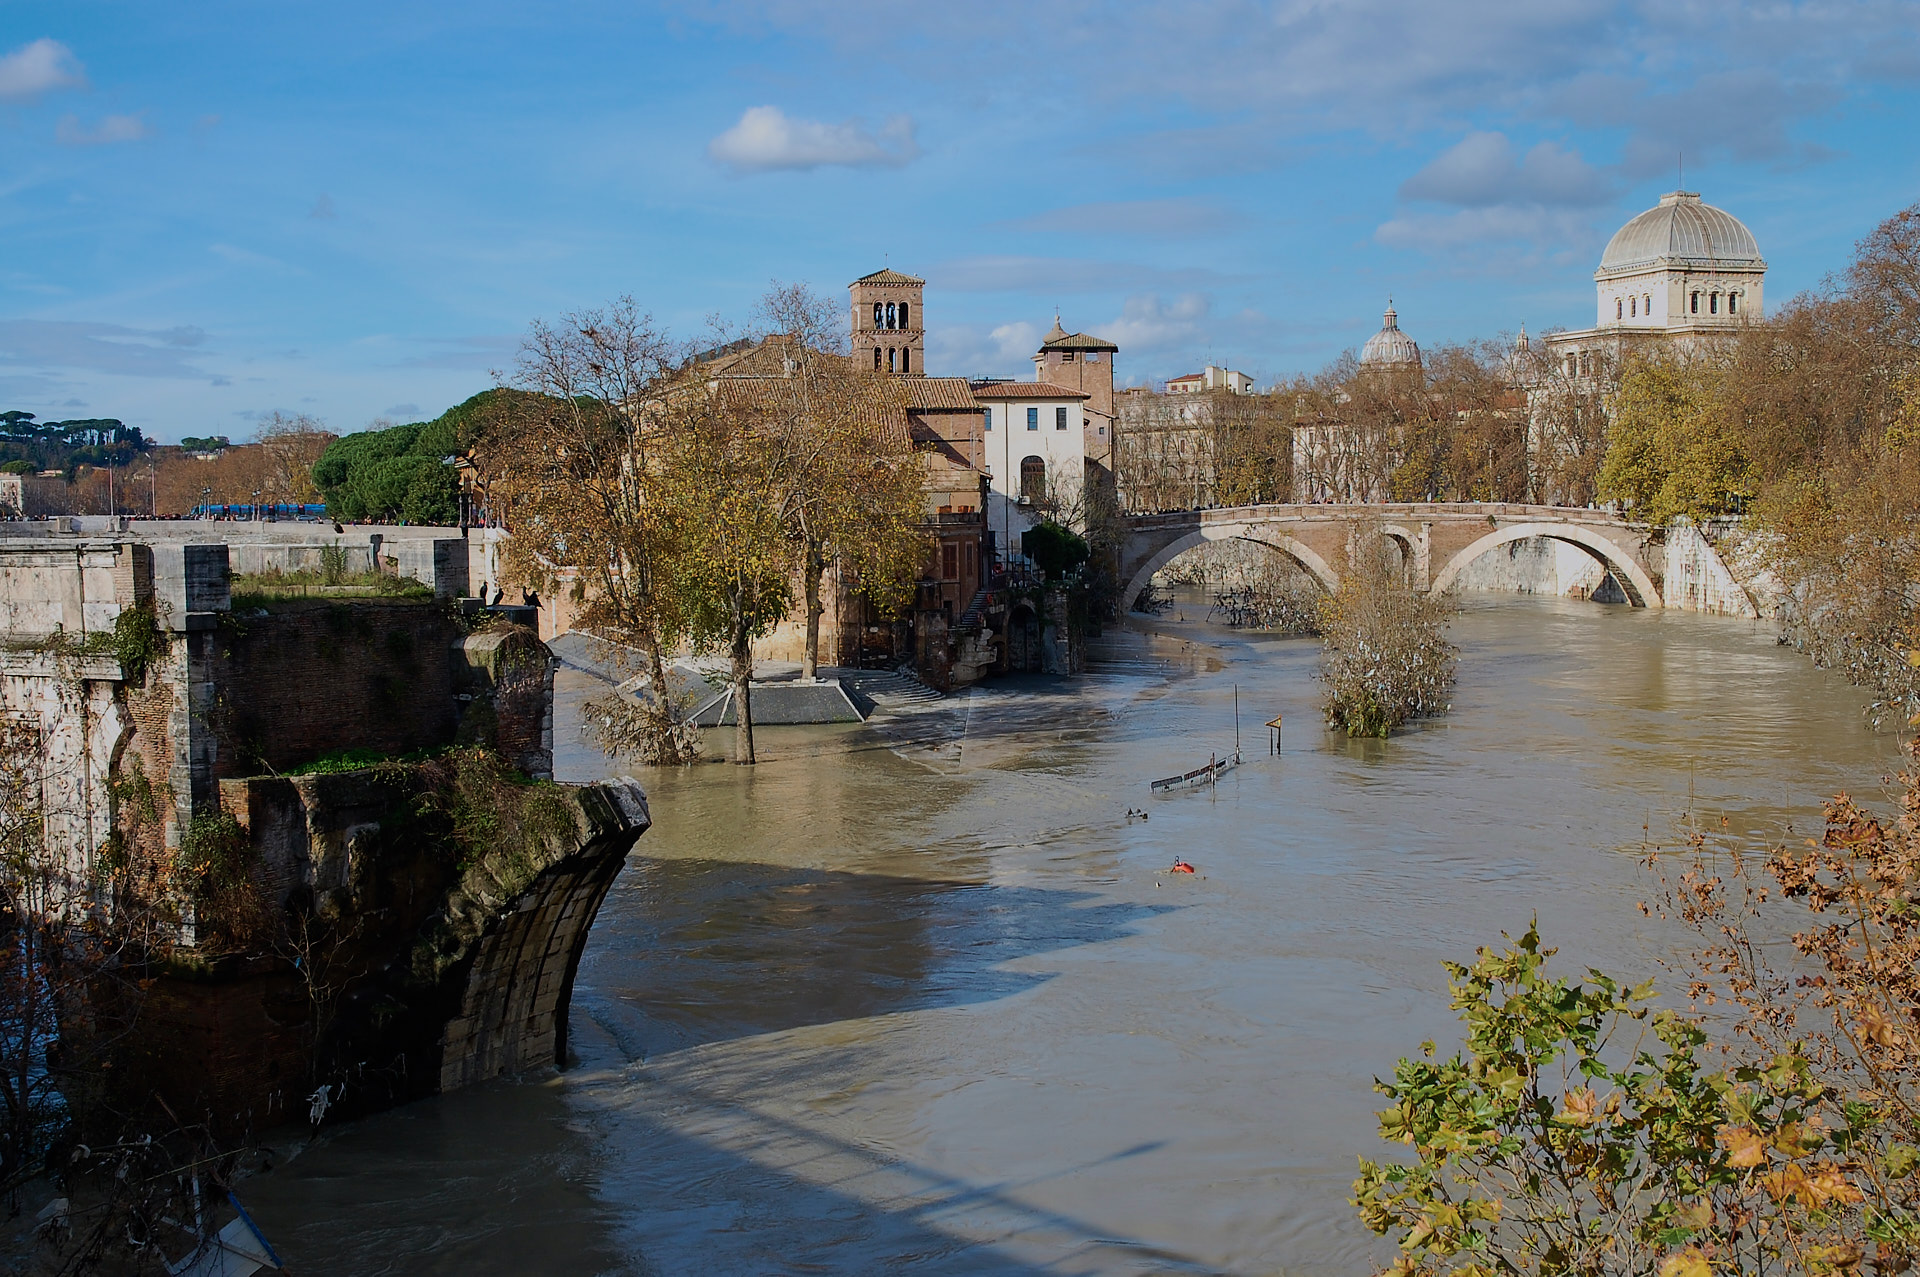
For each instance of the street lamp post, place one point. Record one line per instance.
(206, 503)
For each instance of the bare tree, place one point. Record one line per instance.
(289, 444)
(573, 466)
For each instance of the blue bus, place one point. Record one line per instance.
(278, 512)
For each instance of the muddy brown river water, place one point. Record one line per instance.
(917, 996)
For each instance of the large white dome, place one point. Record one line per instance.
(1389, 347)
(1685, 232)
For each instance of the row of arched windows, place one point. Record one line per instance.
(898, 359)
(1634, 307)
(891, 316)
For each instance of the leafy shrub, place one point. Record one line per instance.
(1055, 549)
(215, 856)
(137, 642)
(333, 564)
(1387, 659)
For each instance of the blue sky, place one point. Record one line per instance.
(212, 211)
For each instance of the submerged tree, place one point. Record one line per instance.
(1387, 659)
(724, 494)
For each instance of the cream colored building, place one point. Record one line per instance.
(1682, 272)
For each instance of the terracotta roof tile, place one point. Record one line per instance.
(1025, 390)
(1077, 341)
(939, 392)
(887, 277)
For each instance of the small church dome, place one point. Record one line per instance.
(1390, 348)
(1682, 230)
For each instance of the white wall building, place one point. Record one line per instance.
(1683, 272)
(1035, 443)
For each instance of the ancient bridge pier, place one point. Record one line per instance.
(366, 933)
(1437, 540)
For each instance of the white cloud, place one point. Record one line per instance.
(112, 128)
(1018, 340)
(1500, 240)
(1002, 351)
(1521, 209)
(108, 348)
(1481, 171)
(40, 67)
(1293, 67)
(1150, 322)
(766, 138)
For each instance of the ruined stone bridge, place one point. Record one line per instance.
(1437, 540)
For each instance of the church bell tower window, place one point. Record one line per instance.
(903, 316)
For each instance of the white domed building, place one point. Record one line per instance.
(1390, 348)
(1683, 270)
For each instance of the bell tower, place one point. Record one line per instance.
(889, 329)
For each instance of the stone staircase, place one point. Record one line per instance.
(971, 617)
(890, 689)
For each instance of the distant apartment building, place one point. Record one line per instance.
(1211, 378)
(1163, 451)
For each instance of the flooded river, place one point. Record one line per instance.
(918, 996)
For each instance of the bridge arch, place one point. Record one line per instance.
(1272, 539)
(1639, 585)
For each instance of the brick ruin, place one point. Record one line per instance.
(381, 952)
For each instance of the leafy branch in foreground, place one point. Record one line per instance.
(1579, 1132)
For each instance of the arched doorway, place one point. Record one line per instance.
(1023, 640)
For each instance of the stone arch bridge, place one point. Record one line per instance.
(1437, 540)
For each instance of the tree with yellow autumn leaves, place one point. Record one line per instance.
(1580, 1131)
(678, 498)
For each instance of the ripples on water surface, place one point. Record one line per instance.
(916, 995)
